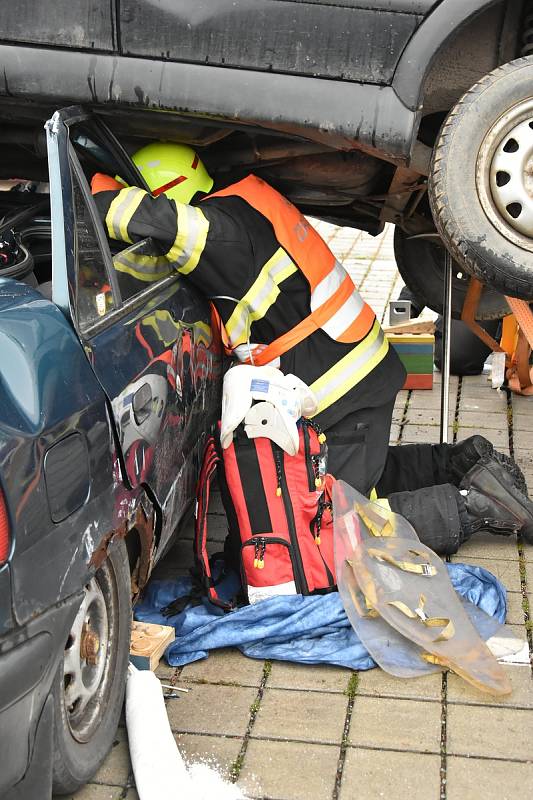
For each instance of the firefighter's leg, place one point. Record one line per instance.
(416, 466)
(445, 516)
(437, 514)
(358, 446)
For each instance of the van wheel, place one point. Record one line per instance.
(421, 265)
(89, 687)
(481, 180)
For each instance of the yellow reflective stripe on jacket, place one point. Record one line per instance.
(143, 268)
(260, 297)
(351, 369)
(190, 239)
(121, 210)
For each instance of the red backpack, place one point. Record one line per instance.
(279, 515)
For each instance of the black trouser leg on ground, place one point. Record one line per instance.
(416, 479)
(416, 482)
(415, 466)
(436, 513)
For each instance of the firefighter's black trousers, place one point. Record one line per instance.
(415, 478)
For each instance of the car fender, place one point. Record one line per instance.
(415, 63)
(62, 508)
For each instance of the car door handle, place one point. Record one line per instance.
(142, 403)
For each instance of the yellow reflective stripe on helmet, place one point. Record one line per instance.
(190, 239)
(260, 297)
(351, 369)
(143, 268)
(121, 210)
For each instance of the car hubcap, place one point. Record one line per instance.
(86, 662)
(504, 175)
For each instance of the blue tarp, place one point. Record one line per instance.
(308, 630)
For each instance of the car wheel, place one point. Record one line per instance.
(89, 686)
(421, 265)
(481, 181)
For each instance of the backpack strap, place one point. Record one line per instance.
(209, 466)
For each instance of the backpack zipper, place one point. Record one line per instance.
(308, 458)
(316, 523)
(260, 544)
(299, 574)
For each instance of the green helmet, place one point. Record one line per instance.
(172, 169)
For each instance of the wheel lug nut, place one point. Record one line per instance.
(89, 646)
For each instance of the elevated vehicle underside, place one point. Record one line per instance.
(362, 186)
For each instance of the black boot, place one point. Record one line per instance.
(465, 455)
(493, 502)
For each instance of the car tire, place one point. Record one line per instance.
(479, 189)
(89, 689)
(421, 264)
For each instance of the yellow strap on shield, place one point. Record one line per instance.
(362, 604)
(426, 569)
(448, 628)
(377, 525)
(431, 658)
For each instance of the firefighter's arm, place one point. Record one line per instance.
(131, 214)
(180, 230)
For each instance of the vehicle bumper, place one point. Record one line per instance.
(29, 659)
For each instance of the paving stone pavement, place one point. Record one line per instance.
(289, 732)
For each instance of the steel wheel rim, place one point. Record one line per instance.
(504, 175)
(87, 678)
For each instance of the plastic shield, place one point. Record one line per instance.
(390, 650)
(400, 601)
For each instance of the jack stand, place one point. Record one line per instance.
(517, 355)
(446, 348)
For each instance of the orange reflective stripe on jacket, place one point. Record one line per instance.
(336, 305)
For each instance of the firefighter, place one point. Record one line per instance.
(283, 299)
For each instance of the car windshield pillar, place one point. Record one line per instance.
(61, 213)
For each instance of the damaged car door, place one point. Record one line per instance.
(149, 343)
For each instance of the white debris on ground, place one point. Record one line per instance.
(207, 783)
(158, 766)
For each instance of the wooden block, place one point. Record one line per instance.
(412, 327)
(148, 643)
